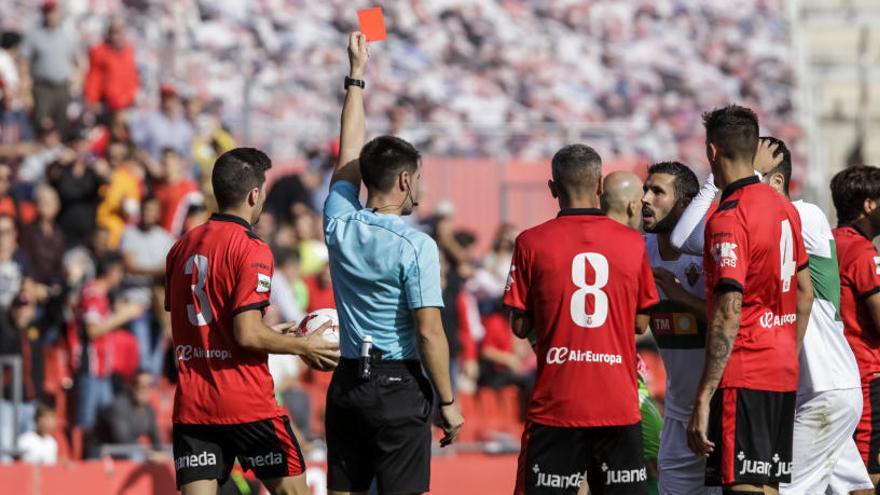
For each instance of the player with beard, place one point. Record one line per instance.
(678, 323)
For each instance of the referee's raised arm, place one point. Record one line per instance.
(354, 130)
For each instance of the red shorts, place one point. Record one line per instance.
(868, 431)
(753, 432)
(208, 452)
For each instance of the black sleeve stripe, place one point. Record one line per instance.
(647, 310)
(515, 311)
(804, 266)
(729, 205)
(249, 307)
(728, 284)
(870, 293)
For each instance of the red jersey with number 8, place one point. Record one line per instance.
(754, 245)
(213, 273)
(582, 278)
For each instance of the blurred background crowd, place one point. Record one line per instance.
(112, 114)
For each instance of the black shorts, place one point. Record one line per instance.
(553, 460)
(752, 431)
(208, 452)
(867, 433)
(379, 428)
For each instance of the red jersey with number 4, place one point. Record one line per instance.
(754, 245)
(582, 277)
(859, 265)
(214, 272)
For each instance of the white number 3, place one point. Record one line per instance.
(788, 267)
(201, 316)
(579, 298)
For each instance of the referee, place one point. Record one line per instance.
(386, 280)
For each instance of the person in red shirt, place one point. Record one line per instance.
(91, 342)
(759, 297)
(320, 290)
(581, 287)
(177, 193)
(218, 283)
(112, 78)
(856, 195)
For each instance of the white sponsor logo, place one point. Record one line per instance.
(562, 355)
(509, 284)
(877, 265)
(264, 282)
(770, 320)
(270, 459)
(549, 480)
(195, 460)
(618, 476)
(751, 466)
(187, 352)
(725, 254)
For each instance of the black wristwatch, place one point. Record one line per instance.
(354, 82)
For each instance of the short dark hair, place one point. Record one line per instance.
(850, 188)
(236, 172)
(784, 167)
(733, 130)
(576, 168)
(107, 262)
(43, 408)
(686, 183)
(10, 39)
(384, 158)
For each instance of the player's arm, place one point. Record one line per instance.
(434, 350)
(643, 321)
(720, 337)
(520, 323)
(354, 129)
(804, 304)
(252, 334)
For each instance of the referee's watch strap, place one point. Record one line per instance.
(354, 82)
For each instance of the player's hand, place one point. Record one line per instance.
(285, 327)
(764, 159)
(669, 284)
(452, 423)
(358, 54)
(698, 428)
(318, 352)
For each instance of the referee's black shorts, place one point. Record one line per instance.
(380, 428)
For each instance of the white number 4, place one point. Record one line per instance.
(788, 267)
(579, 298)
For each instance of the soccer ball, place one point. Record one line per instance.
(315, 319)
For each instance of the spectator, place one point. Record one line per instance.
(77, 184)
(34, 165)
(166, 128)
(10, 204)
(122, 196)
(177, 193)
(289, 293)
(505, 360)
(43, 240)
(14, 124)
(52, 55)
(291, 190)
(14, 263)
(112, 79)
(312, 250)
(20, 338)
(320, 290)
(40, 446)
(92, 354)
(144, 248)
(490, 278)
(131, 418)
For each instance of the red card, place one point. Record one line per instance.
(372, 24)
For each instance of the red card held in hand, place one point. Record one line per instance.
(372, 24)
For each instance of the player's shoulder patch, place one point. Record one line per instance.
(264, 282)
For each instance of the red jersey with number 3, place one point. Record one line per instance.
(859, 279)
(581, 278)
(214, 272)
(754, 245)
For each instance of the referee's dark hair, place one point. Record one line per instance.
(850, 188)
(784, 167)
(577, 169)
(686, 183)
(733, 130)
(236, 172)
(383, 159)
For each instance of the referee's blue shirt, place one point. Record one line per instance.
(382, 270)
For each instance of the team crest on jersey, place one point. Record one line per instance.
(693, 274)
(264, 282)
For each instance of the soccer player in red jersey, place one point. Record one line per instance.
(856, 195)
(581, 286)
(759, 296)
(218, 281)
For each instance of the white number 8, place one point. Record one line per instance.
(579, 298)
(203, 316)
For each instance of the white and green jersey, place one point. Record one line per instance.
(826, 360)
(680, 334)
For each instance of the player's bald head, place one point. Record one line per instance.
(619, 190)
(577, 170)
